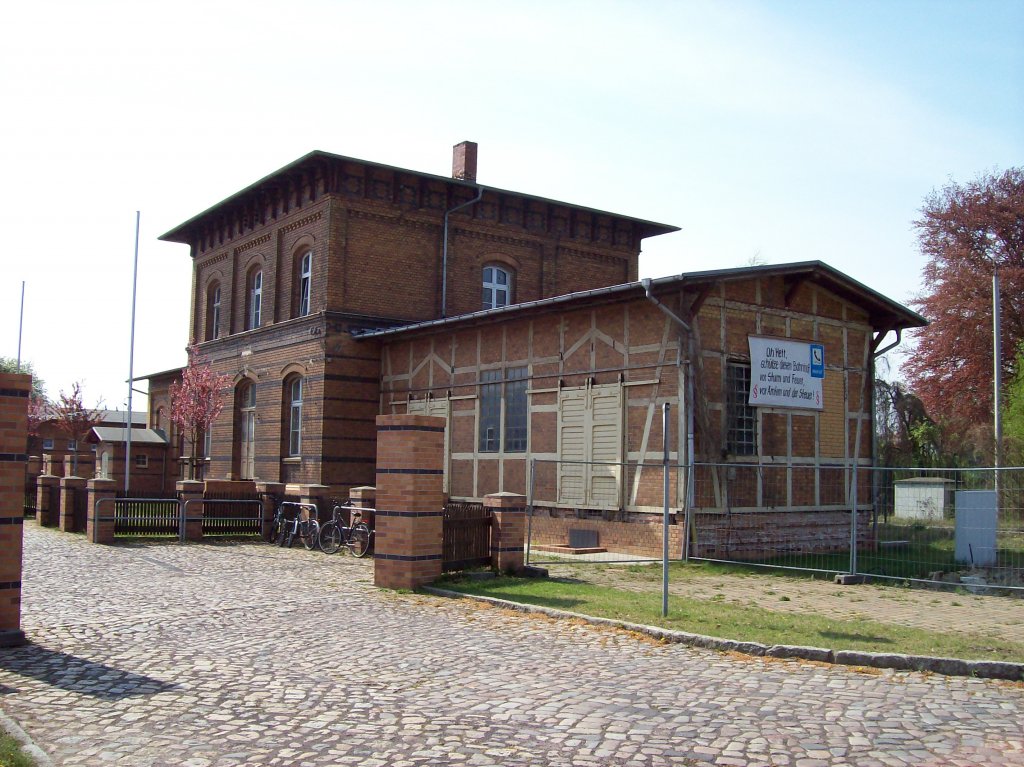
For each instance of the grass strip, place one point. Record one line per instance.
(730, 621)
(11, 754)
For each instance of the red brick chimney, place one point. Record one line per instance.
(464, 161)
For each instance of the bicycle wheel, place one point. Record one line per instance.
(282, 533)
(359, 540)
(310, 534)
(330, 538)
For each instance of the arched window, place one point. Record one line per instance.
(294, 392)
(255, 300)
(213, 311)
(497, 287)
(305, 276)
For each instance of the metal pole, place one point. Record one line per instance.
(853, 521)
(131, 367)
(997, 377)
(664, 532)
(21, 320)
(529, 503)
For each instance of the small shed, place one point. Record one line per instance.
(924, 498)
(149, 457)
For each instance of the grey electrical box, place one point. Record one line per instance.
(975, 537)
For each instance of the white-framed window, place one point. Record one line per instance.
(141, 461)
(213, 313)
(497, 287)
(48, 443)
(741, 418)
(305, 277)
(207, 442)
(255, 300)
(72, 444)
(503, 410)
(295, 419)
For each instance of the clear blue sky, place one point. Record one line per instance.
(781, 131)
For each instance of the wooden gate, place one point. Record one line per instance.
(467, 536)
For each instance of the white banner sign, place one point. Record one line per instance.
(785, 373)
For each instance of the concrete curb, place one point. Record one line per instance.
(31, 750)
(985, 669)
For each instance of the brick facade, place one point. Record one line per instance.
(14, 392)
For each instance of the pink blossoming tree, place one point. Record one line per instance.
(197, 400)
(75, 419)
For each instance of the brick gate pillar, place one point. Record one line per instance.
(364, 497)
(47, 501)
(14, 391)
(410, 500)
(508, 530)
(99, 522)
(69, 488)
(191, 490)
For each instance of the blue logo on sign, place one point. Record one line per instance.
(817, 361)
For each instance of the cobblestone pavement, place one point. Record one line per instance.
(219, 655)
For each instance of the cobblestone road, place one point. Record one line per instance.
(218, 655)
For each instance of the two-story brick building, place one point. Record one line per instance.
(285, 270)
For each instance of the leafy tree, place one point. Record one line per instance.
(74, 418)
(1013, 412)
(10, 365)
(197, 400)
(967, 231)
(908, 436)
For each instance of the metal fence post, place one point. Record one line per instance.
(853, 522)
(529, 509)
(664, 532)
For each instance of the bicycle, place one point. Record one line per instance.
(354, 536)
(306, 530)
(277, 525)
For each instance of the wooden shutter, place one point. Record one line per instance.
(605, 441)
(590, 430)
(572, 445)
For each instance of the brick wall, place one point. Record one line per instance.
(14, 391)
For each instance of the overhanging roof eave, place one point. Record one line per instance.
(179, 233)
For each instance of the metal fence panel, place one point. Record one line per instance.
(824, 517)
(146, 516)
(232, 514)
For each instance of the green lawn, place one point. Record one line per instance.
(11, 754)
(730, 621)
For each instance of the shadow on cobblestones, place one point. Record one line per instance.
(74, 674)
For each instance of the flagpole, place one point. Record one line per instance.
(131, 366)
(21, 320)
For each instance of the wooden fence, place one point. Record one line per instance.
(466, 536)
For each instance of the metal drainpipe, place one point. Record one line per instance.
(646, 282)
(444, 249)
